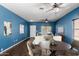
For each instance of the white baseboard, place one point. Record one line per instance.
(12, 46)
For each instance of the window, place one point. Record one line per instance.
(7, 28)
(21, 28)
(76, 29)
(60, 30)
(45, 29)
(32, 30)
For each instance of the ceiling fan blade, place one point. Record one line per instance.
(63, 5)
(60, 3)
(55, 5)
(50, 10)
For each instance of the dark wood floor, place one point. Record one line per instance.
(21, 50)
(18, 50)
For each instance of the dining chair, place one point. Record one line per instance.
(29, 48)
(34, 50)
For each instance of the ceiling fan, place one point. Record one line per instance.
(44, 20)
(53, 6)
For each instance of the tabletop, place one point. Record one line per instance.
(60, 46)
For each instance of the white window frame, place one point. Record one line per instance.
(21, 29)
(46, 29)
(76, 29)
(60, 30)
(32, 30)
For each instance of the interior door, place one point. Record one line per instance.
(32, 30)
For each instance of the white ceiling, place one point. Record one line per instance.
(31, 11)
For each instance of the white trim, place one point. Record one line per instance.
(12, 46)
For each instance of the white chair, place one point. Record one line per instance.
(45, 45)
(38, 39)
(29, 48)
(32, 49)
(57, 38)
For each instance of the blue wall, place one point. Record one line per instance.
(67, 23)
(6, 15)
(39, 24)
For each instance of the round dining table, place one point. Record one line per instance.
(59, 48)
(57, 45)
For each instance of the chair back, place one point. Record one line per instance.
(29, 47)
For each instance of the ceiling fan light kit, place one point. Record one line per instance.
(46, 20)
